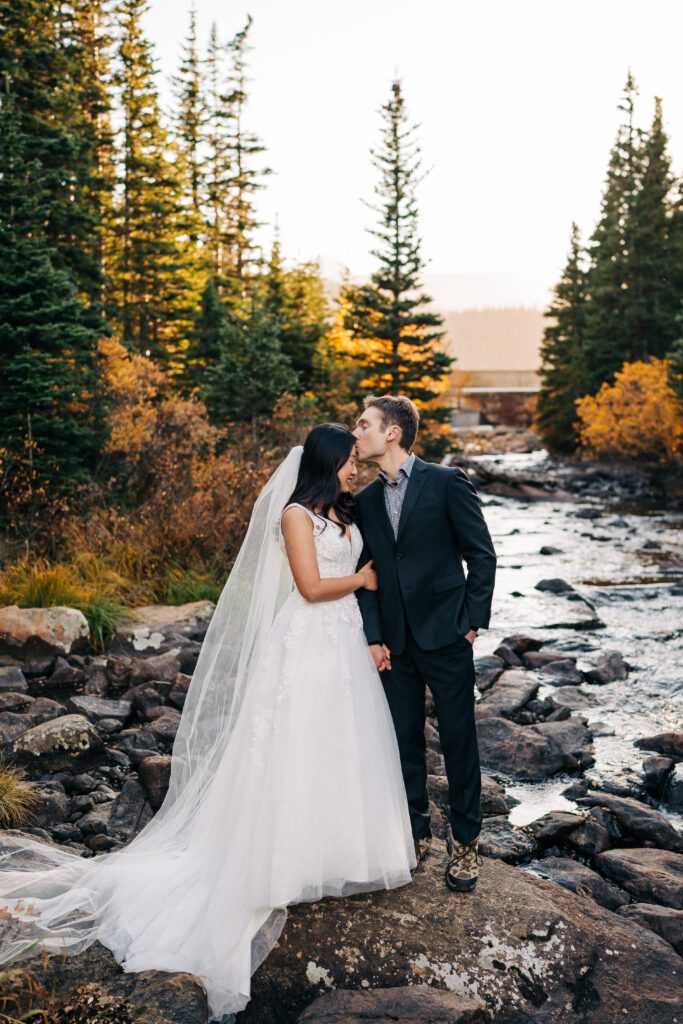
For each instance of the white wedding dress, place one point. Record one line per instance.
(307, 800)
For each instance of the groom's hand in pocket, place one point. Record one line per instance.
(381, 656)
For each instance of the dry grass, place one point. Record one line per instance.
(18, 797)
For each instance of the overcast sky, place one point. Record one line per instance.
(517, 101)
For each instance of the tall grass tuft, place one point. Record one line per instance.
(18, 798)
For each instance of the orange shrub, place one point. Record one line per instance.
(637, 417)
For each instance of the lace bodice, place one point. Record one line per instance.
(337, 555)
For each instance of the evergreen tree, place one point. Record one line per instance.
(297, 299)
(610, 323)
(233, 180)
(208, 338)
(153, 291)
(251, 372)
(48, 401)
(651, 268)
(190, 118)
(397, 340)
(563, 370)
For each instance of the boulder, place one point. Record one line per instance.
(507, 655)
(54, 805)
(561, 672)
(151, 627)
(574, 739)
(638, 820)
(610, 666)
(60, 743)
(12, 679)
(511, 691)
(155, 773)
(652, 876)
(42, 632)
(527, 948)
(97, 708)
(419, 1004)
(663, 921)
(554, 586)
(578, 878)
(44, 709)
(521, 644)
(670, 744)
(656, 771)
(537, 659)
(501, 839)
(672, 794)
(550, 827)
(487, 670)
(520, 752)
(126, 811)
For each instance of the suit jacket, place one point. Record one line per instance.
(420, 574)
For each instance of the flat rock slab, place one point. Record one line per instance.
(653, 876)
(518, 751)
(511, 691)
(151, 626)
(96, 708)
(527, 948)
(60, 743)
(668, 743)
(418, 1004)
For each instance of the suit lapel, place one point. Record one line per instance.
(380, 509)
(415, 485)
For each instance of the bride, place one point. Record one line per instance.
(285, 783)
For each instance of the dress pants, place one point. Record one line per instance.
(449, 674)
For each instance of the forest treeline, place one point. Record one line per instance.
(133, 287)
(612, 351)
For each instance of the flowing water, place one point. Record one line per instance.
(629, 563)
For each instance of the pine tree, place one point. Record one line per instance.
(48, 401)
(563, 370)
(251, 372)
(207, 338)
(233, 180)
(189, 121)
(297, 299)
(397, 339)
(610, 325)
(153, 293)
(651, 261)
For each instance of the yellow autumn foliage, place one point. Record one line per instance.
(637, 417)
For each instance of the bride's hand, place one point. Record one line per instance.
(368, 576)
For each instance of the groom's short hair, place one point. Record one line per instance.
(399, 410)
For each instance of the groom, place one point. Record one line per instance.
(419, 520)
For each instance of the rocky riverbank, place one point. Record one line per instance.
(578, 916)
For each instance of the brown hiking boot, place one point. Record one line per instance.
(462, 869)
(422, 847)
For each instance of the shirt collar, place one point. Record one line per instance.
(405, 468)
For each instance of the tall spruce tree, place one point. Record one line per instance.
(153, 293)
(233, 179)
(563, 370)
(189, 120)
(296, 299)
(48, 346)
(397, 338)
(610, 323)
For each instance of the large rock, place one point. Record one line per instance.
(61, 743)
(511, 691)
(610, 666)
(519, 751)
(663, 921)
(418, 1004)
(12, 679)
(653, 876)
(538, 659)
(547, 829)
(673, 789)
(574, 739)
(153, 626)
(668, 743)
(96, 708)
(155, 775)
(578, 878)
(529, 949)
(501, 839)
(42, 632)
(638, 820)
(561, 672)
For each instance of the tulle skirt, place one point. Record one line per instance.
(308, 801)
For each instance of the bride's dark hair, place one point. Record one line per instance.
(326, 450)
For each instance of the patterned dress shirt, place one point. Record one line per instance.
(395, 491)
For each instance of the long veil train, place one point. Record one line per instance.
(138, 899)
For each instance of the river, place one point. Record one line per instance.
(629, 563)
